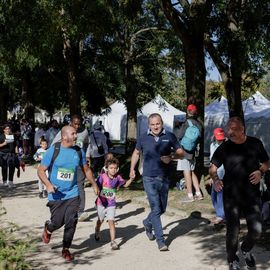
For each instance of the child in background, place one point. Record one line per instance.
(38, 157)
(108, 182)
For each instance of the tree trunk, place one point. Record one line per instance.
(195, 89)
(71, 56)
(3, 104)
(28, 97)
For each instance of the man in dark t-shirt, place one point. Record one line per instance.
(245, 160)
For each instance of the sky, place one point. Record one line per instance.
(212, 72)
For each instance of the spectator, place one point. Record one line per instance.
(26, 134)
(187, 164)
(97, 148)
(51, 132)
(8, 156)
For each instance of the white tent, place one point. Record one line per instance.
(216, 115)
(157, 105)
(257, 118)
(115, 121)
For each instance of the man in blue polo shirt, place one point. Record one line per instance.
(62, 187)
(156, 147)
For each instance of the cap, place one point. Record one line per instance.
(219, 134)
(192, 108)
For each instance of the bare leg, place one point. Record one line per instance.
(188, 179)
(112, 229)
(195, 182)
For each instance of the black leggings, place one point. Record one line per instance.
(64, 213)
(8, 168)
(251, 211)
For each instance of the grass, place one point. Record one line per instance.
(12, 250)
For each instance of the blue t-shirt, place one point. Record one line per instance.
(64, 172)
(153, 148)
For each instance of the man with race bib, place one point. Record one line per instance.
(62, 187)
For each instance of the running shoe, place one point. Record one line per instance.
(82, 216)
(163, 247)
(234, 265)
(46, 236)
(148, 231)
(114, 245)
(67, 255)
(249, 259)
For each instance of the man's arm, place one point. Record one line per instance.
(218, 184)
(256, 176)
(41, 171)
(90, 177)
(134, 160)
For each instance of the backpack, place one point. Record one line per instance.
(56, 151)
(191, 136)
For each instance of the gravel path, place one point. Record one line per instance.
(193, 243)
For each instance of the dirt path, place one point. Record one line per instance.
(192, 242)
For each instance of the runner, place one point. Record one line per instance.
(62, 188)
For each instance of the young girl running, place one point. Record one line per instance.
(108, 184)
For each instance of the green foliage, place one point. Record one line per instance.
(12, 251)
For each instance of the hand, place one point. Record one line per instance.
(96, 189)
(132, 174)
(255, 177)
(166, 159)
(218, 185)
(50, 188)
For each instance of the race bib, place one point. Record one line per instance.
(65, 174)
(108, 193)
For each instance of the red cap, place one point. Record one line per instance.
(219, 134)
(192, 108)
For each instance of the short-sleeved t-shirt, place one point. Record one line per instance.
(153, 148)
(108, 187)
(11, 143)
(63, 173)
(239, 161)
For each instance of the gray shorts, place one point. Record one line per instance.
(185, 165)
(108, 212)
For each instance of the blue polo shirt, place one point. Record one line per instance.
(153, 148)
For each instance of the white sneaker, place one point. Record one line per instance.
(83, 216)
(5, 184)
(11, 185)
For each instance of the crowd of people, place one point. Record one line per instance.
(68, 156)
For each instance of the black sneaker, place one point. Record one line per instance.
(234, 265)
(249, 258)
(148, 232)
(40, 195)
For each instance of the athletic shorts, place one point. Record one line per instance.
(185, 165)
(108, 212)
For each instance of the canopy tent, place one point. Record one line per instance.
(256, 110)
(114, 121)
(257, 118)
(216, 115)
(161, 106)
